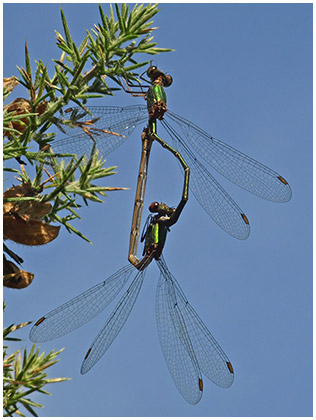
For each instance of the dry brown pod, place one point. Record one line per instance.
(9, 83)
(22, 221)
(32, 232)
(25, 209)
(14, 277)
(22, 106)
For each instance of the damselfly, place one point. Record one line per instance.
(229, 162)
(188, 346)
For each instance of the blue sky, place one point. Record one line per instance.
(242, 72)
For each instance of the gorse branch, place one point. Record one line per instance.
(24, 373)
(90, 69)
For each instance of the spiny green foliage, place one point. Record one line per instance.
(23, 374)
(83, 71)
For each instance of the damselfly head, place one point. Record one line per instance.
(161, 208)
(153, 73)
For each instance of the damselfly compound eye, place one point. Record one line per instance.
(151, 71)
(167, 80)
(154, 207)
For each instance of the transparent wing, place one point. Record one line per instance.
(234, 165)
(78, 311)
(209, 193)
(175, 341)
(113, 325)
(210, 357)
(113, 127)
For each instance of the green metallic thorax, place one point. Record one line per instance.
(156, 236)
(155, 94)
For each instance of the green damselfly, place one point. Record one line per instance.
(229, 162)
(188, 346)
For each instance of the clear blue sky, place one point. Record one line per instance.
(242, 72)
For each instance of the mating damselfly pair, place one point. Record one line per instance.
(188, 346)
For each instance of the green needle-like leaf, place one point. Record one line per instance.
(27, 62)
(66, 29)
